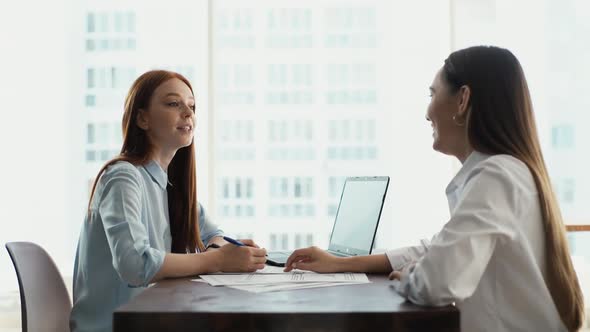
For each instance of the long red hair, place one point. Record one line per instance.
(137, 150)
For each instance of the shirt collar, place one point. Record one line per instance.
(157, 173)
(459, 180)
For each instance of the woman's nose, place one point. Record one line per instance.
(188, 112)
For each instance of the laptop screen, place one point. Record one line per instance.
(358, 215)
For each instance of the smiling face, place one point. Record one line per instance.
(450, 135)
(170, 117)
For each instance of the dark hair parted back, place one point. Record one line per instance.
(500, 120)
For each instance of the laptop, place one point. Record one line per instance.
(356, 220)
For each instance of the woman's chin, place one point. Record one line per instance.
(184, 144)
(435, 142)
(188, 142)
(437, 146)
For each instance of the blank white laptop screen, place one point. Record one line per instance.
(358, 215)
(356, 221)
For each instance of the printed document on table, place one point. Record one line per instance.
(258, 278)
(267, 270)
(264, 288)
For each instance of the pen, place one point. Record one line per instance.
(232, 241)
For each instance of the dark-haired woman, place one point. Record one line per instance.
(503, 256)
(144, 222)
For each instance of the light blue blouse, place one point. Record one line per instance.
(123, 242)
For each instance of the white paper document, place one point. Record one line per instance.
(272, 279)
(289, 278)
(286, 286)
(267, 270)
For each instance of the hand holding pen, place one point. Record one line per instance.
(241, 256)
(232, 241)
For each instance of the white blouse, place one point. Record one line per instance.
(489, 258)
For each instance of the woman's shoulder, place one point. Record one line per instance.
(119, 173)
(509, 168)
(121, 169)
(505, 161)
(122, 166)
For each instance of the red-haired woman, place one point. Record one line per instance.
(144, 222)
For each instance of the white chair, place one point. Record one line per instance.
(45, 302)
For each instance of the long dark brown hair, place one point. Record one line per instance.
(501, 121)
(137, 150)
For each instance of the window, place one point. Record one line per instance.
(90, 27)
(90, 155)
(562, 137)
(90, 78)
(566, 189)
(237, 198)
(90, 100)
(302, 96)
(91, 134)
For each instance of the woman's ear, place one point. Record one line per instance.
(142, 119)
(464, 99)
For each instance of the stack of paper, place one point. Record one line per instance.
(272, 279)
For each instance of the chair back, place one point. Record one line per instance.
(45, 302)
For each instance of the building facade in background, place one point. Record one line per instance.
(292, 99)
(296, 111)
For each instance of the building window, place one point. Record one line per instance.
(131, 22)
(562, 136)
(103, 25)
(90, 100)
(90, 23)
(105, 155)
(569, 191)
(102, 134)
(298, 242)
(309, 238)
(225, 188)
(90, 133)
(566, 190)
(119, 18)
(90, 78)
(90, 155)
(90, 46)
(236, 197)
(291, 197)
(249, 188)
(335, 184)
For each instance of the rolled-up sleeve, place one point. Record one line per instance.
(207, 228)
(456, 259)
(135, 261)
(401, 257)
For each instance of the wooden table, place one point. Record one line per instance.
(183, 305)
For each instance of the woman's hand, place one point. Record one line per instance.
(313, 259)
(395, 275)
(248, 258)
(249, 243)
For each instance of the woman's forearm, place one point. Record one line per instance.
(367, 264)
(218, 240)
(182, 265)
